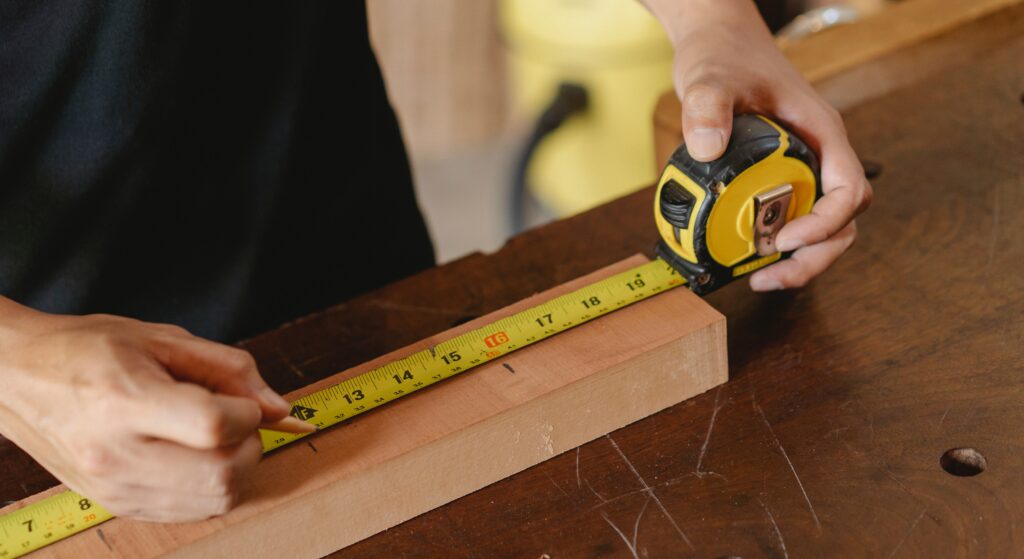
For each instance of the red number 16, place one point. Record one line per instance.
(496, 339)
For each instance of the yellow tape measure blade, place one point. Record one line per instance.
(47, 521)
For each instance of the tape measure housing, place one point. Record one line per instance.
(705, 211)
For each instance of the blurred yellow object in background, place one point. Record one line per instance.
(615, 50)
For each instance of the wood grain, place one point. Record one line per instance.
(443, 442)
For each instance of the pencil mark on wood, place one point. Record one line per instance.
(775, 528)
(25, 489)
(310, 443)
(943, 418)
(906, 535)
(99, 532)
(792, 468)
(509, 367)
(707, 438)
(647, 488)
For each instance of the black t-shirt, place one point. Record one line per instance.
(225, 166)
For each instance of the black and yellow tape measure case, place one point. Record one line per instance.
(717, 220)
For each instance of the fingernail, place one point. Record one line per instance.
(786, 245)
(764, 283)
(274, 400)
(291, 425)
(705, 143)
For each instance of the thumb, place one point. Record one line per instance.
(222, 369)
(707, 120)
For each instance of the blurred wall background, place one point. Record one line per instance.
(448, 77)
(445, 69)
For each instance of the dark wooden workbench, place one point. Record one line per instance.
(843, 395)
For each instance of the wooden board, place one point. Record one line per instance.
(451, 439)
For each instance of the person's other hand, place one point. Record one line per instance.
(727, 63)
(146, 419)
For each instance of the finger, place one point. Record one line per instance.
(707, 120)
(193, 416)
(804, 264)
(162, 505)
(828, 216)
(289, 424)
(163, 465)
(221, 368)
(847, 192)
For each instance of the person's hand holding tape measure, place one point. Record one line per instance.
(727, 62)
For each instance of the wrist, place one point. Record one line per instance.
(18, 325)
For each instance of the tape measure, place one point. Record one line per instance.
(718, 219)
(717, 222)
(46, 521)
(68, 513)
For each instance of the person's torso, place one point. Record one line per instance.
(219, 165)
